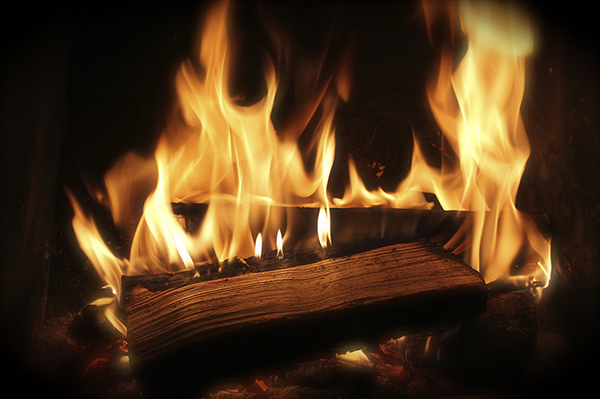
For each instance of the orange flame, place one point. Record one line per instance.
(217, 152)
(324, 227)
(258, 246)
(279, 245)
(230, 157)
(477, 106)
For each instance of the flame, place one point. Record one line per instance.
(217, 152)
(231, 157)
(324, 227)
(108, 266)
(279, 245)
(477, 106)
(357, 357)
(258, 246)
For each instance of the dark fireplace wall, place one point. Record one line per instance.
(81, 86)
(78, 87)
(562, 179)
(33, 122)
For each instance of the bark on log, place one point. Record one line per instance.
(273, 314)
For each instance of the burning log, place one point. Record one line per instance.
(255, 313)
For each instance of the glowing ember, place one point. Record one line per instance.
(355, 357)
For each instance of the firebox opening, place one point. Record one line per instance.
(81, 88)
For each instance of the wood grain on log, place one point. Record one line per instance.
(167, 316)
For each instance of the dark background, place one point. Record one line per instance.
(82, 85)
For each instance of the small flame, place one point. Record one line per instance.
(324, 227)
(108, 266)
(258, 246)
(279, 245)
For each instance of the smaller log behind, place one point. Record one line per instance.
(376, 224)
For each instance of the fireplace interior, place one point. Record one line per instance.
(82, 87)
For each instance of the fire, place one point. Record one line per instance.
(258, 246)
(324, 227)
(355, 357)
(477, 106)
(216, 152)
(232, 158)
(279, 245)
(108, 266)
